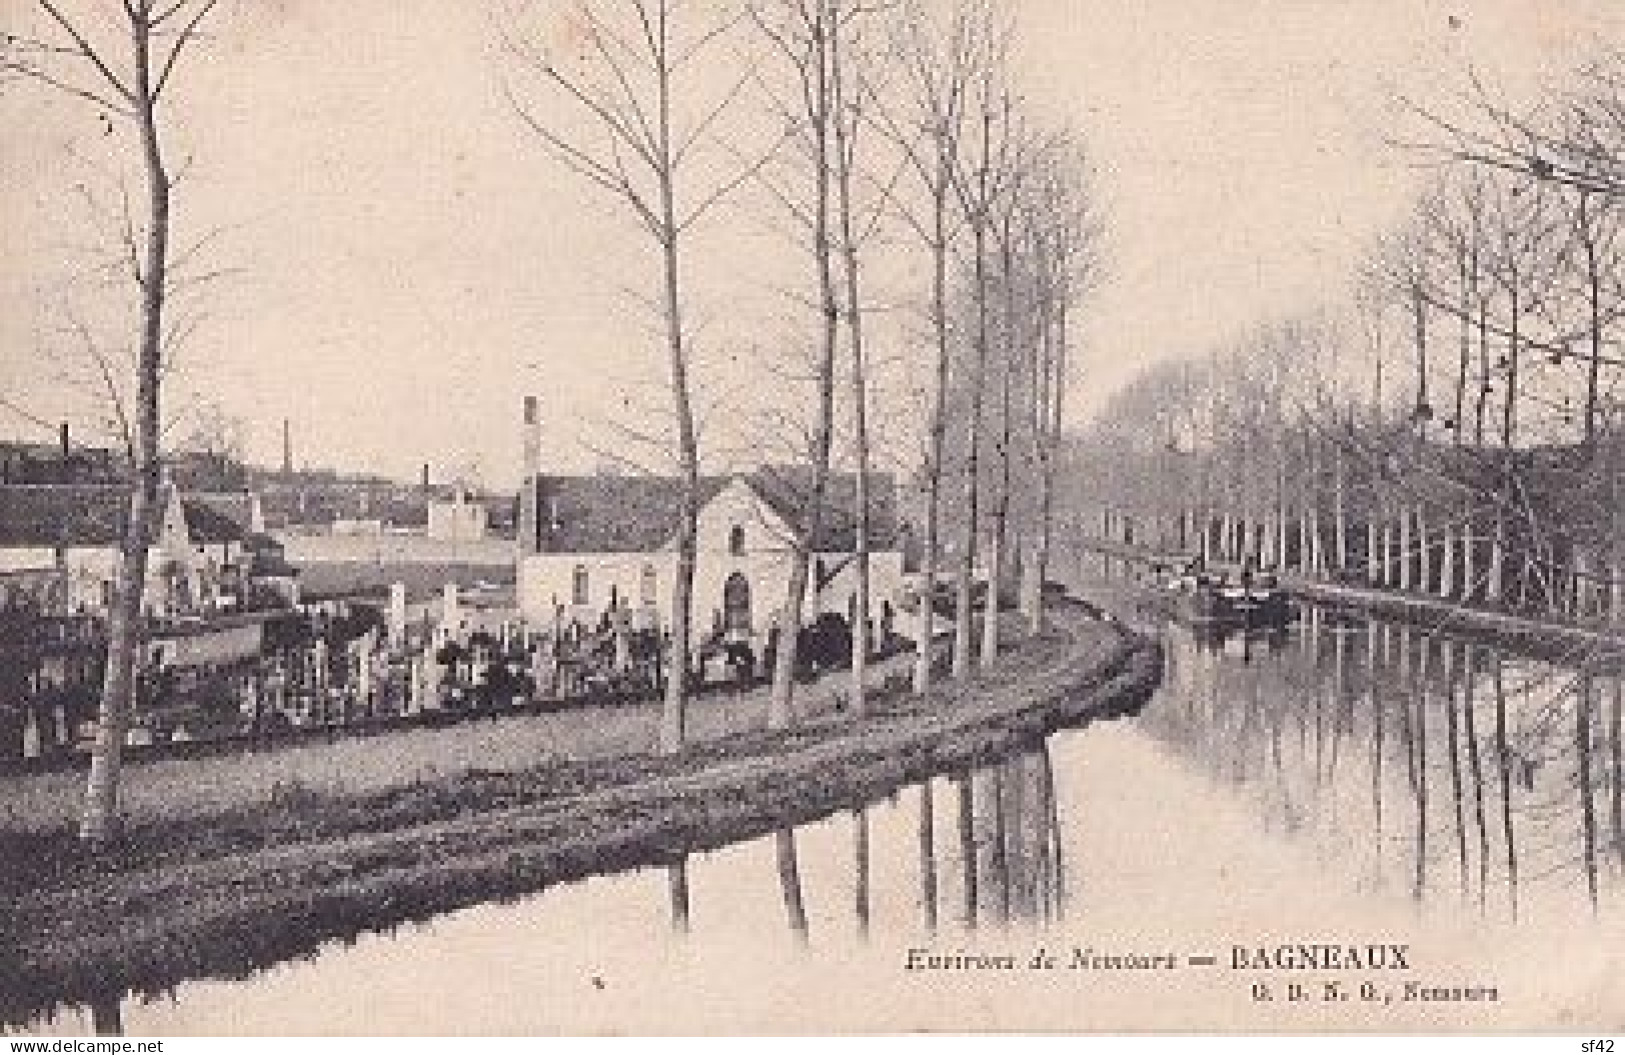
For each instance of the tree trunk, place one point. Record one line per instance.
(126, 619)
(1494, 583)
(1001, 508)
(1373, 551)
(674, 706)
(780, 708)
(1469, 554)
(1054, 361)
(1406, 546)
(1340, 526)
(1594, 277)
(862, 636)
(964, 623)
(1424, 548)
(1447, 562)
(937, 441)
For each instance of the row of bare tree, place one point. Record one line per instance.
(904, 149)
(896, 143)
(1459, 428)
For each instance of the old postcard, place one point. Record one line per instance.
(556, 517)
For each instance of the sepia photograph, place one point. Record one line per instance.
(537, 518)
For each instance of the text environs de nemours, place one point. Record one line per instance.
(1042, 959)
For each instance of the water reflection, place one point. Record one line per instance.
(795, 909)
(1317, 778)
(677, 880)
(928, 856)
(1372, 740)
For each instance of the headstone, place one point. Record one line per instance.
(433, 674)
(33, 745)
(449, 614)
(397, 614)
(542, 669)
(363, 669)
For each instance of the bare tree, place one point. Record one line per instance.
(1063, 234)
(928, 125)
(806, 34)
(628, 86)
(127, 70)
(851, 89)
(1585, 153)
(980, 182)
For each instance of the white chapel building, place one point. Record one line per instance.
(588, 544)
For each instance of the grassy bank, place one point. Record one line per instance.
(1545, 635)
(240, 889)
(350, 763)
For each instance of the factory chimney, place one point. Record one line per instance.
(529, 526)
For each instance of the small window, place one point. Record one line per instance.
(649, 586)
(579, 585)
(736, 540)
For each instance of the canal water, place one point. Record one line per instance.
(1345, 782)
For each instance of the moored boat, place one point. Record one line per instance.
(1207, 598)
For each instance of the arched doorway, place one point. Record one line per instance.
(736, 604)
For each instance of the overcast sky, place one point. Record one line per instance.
(406, 263)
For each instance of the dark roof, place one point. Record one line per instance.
(49, 515)
(207, 523)
(638, 514)
(789, 491)
(45, 463)
(236, 506)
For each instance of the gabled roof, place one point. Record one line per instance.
(235, 506)
(611, 514)
(205, 522)
(638, 514)
(788, 490)
(50, 515)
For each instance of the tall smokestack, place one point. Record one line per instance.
(529, 527)
(287, 448)
(62, 432)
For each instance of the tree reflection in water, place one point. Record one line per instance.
(928, 857)
(784, 844)
(860, 866)
(677, 880)
(1010, 841)
(1502, 809)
